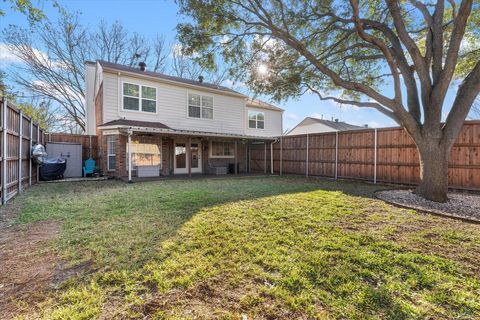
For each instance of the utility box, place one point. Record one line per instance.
(72, 152)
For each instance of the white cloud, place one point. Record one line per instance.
(7, 56)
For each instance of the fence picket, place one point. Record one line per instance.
(385, 155)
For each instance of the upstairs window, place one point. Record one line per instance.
(256, 120)
(200, 106)
(139, 98)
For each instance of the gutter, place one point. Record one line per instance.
(185, 132)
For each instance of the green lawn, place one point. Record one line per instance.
(267, 248)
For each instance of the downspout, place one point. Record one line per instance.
(271, 155)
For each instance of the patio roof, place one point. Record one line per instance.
(125, 125)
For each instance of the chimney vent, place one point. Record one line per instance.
(142, 66)
(200, 79)
(336, 120)
(365, 125)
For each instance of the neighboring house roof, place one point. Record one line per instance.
(157, 127)
(118, 67)
(335, 125)
(251, 102)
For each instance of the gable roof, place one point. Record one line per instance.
(122, 68)
(251, 102)
(335, 125)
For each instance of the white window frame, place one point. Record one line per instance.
(210, 151)
(140, 98)
(201, 106)
(134, 168)
(256, 119)
(109, 154)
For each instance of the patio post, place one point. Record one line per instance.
(235, 158)
(306, 158)
(189, 156)
(130, 155)
(375, 157)
(265, 157)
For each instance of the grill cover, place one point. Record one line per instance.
(53, 169)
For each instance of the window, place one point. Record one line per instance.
(222, 149)
(256, 120)
(144, 153)
(111, 156)
(139, 98)
(200, 106)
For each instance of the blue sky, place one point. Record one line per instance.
(151, 17)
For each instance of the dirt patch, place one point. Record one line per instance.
(28, 263)
(215, 299)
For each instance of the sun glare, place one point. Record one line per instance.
(262, 69)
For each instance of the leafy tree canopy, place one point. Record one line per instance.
(26, 7)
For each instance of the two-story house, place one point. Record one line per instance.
(151, 124)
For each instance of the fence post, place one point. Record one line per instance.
(336, 155)
(30, 154)
(281, 154)
(249, 155)
(265, 158)
(375, 158)
(38, 142)
(306, 172)
(20, 154)
(4, 151)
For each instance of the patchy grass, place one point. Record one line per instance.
(267, 248)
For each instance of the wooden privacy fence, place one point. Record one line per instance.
(379, 155)
(18, 134)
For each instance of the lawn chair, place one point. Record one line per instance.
(89, 167)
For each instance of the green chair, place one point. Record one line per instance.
(89, 167)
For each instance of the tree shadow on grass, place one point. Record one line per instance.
(130, 232)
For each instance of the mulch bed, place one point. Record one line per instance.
(460, 205)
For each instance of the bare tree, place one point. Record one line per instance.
(54, 53)
(352, 48)
(186, 66)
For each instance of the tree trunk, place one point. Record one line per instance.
(433, 171)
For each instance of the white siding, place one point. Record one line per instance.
(273, 123)
(228, 111)
(230, 114)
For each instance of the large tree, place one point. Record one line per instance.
(349, 52)
(53, 53)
